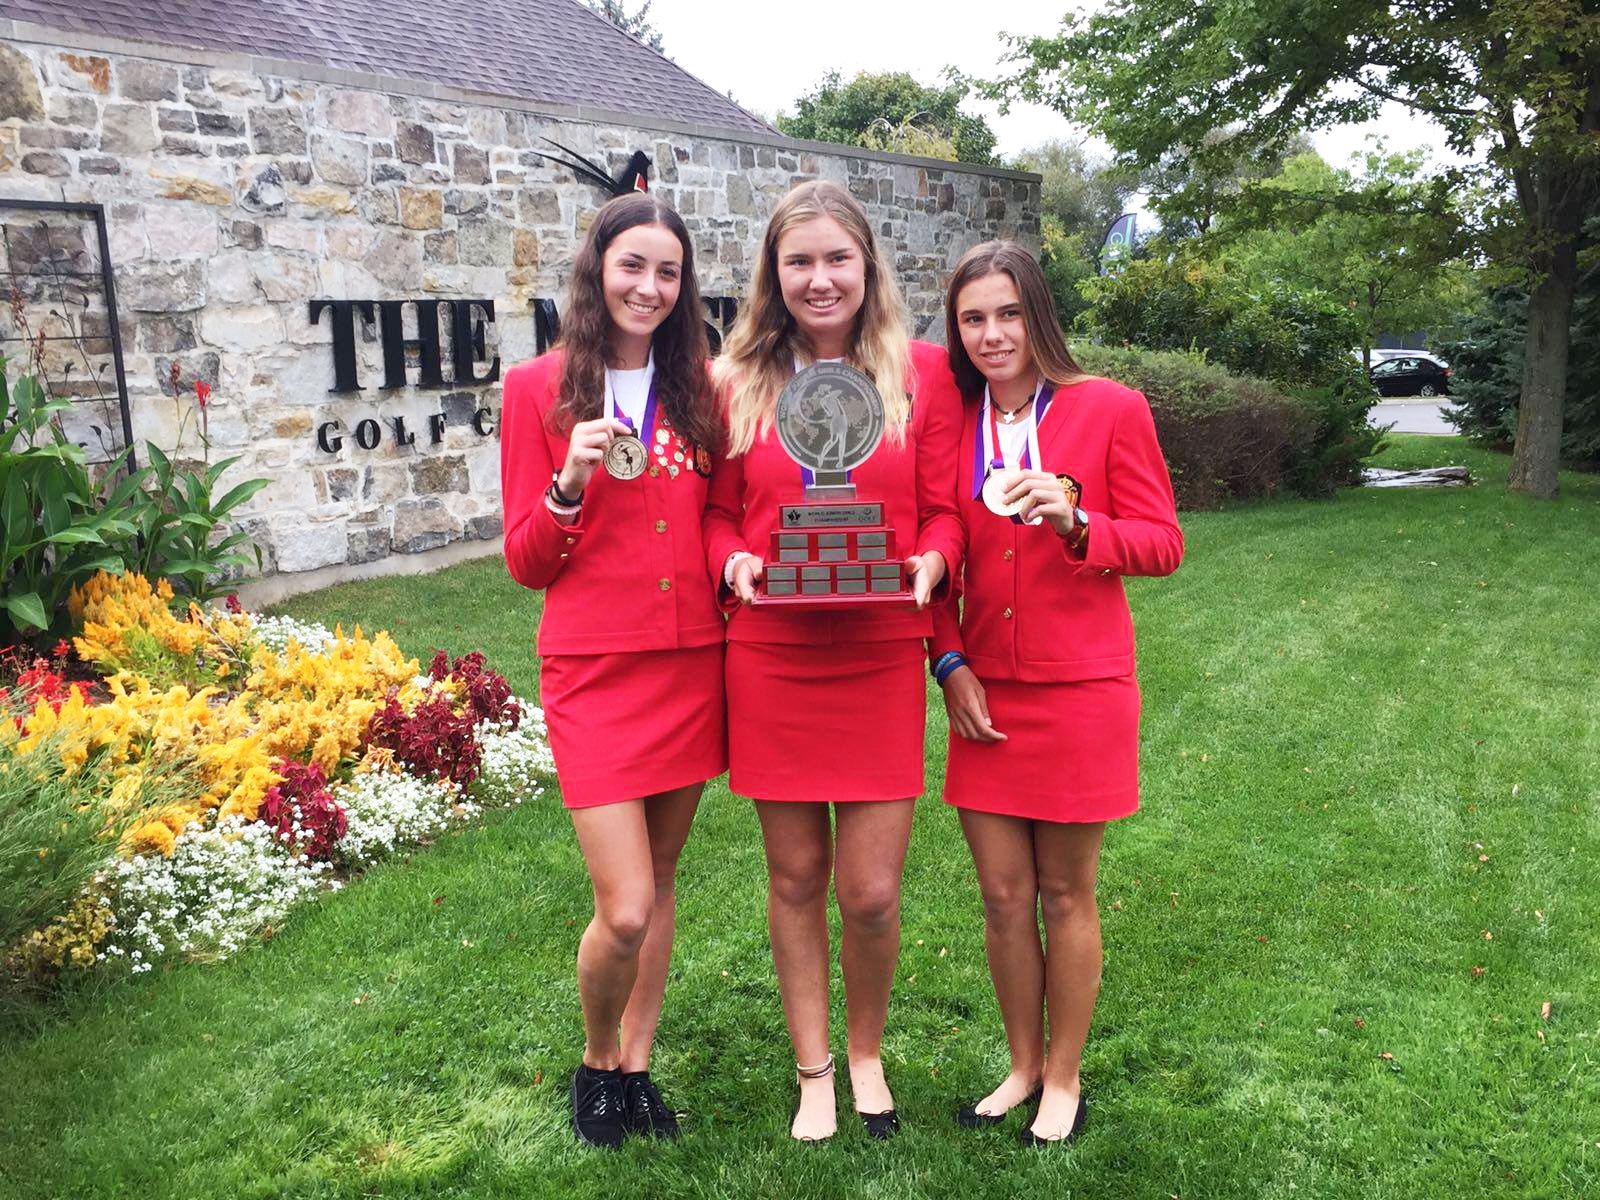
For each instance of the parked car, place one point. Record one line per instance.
(1411, 374)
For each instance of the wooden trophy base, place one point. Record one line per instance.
(833, 555)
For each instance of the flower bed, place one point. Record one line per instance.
(236, 765)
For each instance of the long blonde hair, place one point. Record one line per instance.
(758, 353)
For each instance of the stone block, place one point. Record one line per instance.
(340, 159)
(421, 208)
(277, 130)
(165, 334)
(396, 259)
(266, 193)
(361, 112)
(162, 287)
(740, 198)
(193, 187)
(286, 278)
(464, 203)
(138, 79)
(322, 200)
(94, 165)
(175, 120)
(484, 242)
(303, 545)
(127, 129)
(85, 73)
(368, 545)
(342, 483)
(525, 248)
(485, 528)
(236, 329)
(440, 248)
(414, 143)
(239, 84)
(20, 95)
(470, 164)
(386, 482)
(177, 146)
(48, 137)
(79, 111)
(539, 206)
(384, 172)
(219, 124)
(182, 231)
(245, 234)
(423, 524)
(439, 474)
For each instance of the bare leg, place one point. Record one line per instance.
(667, 817)
(1003, 851)
(872, 840)
(1067, 859)
(616, 846)
(799, 846)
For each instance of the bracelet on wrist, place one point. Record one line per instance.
(564, 501)
(946, 664)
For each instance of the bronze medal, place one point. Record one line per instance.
(626, 458)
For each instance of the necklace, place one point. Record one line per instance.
(1011, 418)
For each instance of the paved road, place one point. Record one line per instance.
(1412, 415)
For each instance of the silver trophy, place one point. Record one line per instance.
(831, 550)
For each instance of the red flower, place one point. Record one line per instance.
(63, 648)
(232, 603)
(433, 741)
(303, 809)
(173, 375)
(202, 391)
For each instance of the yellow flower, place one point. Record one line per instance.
(149, 837)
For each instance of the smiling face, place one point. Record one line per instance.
(823, 277)
(994, 333)
(640, 276)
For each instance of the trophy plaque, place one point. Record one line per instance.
(833, 550)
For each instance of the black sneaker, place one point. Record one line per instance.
(643, 1110)
(597, 1106)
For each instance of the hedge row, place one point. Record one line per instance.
(1235, 437)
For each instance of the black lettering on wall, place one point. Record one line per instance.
(396, 344)
(343, 320)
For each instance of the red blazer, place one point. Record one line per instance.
(1034, 610)
(911, 480)
(630, 574)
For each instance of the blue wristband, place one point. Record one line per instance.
(947, 663)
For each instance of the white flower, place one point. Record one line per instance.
(516, 762)
(386, 810)
(275, 633)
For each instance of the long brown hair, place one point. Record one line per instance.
(1051, 358)
(678, 344)
(758, 353)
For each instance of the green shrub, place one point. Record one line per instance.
(1236, 437)
(1172, 299)
(61, 521)
(1486, 355)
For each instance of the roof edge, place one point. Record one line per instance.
(29, 33)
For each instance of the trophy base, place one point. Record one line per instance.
(798, 603)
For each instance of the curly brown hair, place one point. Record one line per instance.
(679, 343)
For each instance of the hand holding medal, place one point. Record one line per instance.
(589, 446)
(1036, 495)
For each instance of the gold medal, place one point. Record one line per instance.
(626, 458)
(995, 487)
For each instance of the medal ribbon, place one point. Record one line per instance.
(986, 447)
(649, 412)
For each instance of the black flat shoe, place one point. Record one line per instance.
(882, 1125)
(643, 1110)
(1029, 1138)
(968, 1116)
(597, 1107)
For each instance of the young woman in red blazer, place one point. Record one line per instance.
(1038, 667)
(828, 707)
(605, 459)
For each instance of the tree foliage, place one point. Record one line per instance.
(878, 105)
(1485, 352)
(1514, 82)
(638, 24)
(1388, 242)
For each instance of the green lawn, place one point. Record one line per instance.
(1372, 741)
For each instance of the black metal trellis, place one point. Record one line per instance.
(97, 213)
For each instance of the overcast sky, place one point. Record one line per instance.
(767, 56)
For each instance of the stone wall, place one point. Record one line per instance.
(236, 194)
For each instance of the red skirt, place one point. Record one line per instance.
(633, 723)
(835, 723)
(1071, 752)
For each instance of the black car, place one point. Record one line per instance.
(1411, 375)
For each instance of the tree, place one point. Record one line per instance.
(1082, 193)
(1388, 242)
(1188, 196)
(637, 24)
(1515, 81)
(878, 105)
